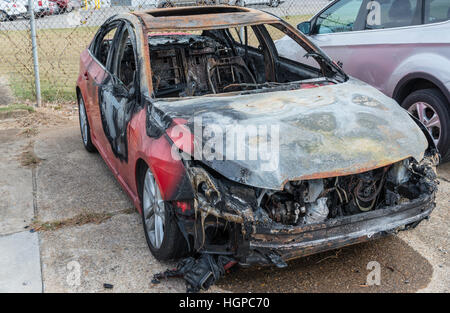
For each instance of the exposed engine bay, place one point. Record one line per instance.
(320, 200)
(315, 201)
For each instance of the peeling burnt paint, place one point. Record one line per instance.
(323, 132)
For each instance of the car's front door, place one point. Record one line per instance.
(118, 96)
(330, 29)
(96, 72)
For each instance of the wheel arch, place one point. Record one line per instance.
(78, 92)
(140, 168)
(417, 81)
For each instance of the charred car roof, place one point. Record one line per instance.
(208, 17)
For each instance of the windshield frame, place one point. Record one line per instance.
(329, 69)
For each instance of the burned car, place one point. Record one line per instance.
(161, 92)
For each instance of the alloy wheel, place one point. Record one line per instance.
(153, 210)
(429, 118)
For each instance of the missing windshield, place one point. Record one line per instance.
(232, 60)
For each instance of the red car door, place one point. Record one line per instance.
(96, 74)
(117, 102)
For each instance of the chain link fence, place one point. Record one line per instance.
(65, 27)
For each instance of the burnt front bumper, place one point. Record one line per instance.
(276, 244)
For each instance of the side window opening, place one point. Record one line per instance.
(296, 52)
(340, 17)
(436, 11)
(126, 61)
(396, 13)
(103, 45)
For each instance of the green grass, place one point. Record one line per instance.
(59, 54)
(15, 107)
(297, 19)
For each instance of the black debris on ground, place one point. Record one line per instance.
(200, 273)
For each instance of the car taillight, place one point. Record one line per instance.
(40, 3)
(14, 6)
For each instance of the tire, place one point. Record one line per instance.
(84, 126)
(155, 211)
(435, 116)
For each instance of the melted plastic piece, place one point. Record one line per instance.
(199, 274)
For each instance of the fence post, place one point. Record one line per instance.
(37, 81)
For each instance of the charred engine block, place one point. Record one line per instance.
(314, 201)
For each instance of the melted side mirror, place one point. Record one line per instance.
(304, 27)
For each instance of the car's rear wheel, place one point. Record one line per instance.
(163, 236)
(84, 126)
(432, 109)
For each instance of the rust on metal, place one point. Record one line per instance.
(204, 18)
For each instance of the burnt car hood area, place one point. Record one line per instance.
(323, 131)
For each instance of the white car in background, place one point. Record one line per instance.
(40, 7)
(405, 53)
(10, 10)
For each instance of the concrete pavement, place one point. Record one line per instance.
(20, 267)
(82, 257)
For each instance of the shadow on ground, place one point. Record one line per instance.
(344, 270)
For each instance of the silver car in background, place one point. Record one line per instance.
(401, 47)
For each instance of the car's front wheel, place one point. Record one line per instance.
(163, 236)
(432, 109)
(84, 126)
